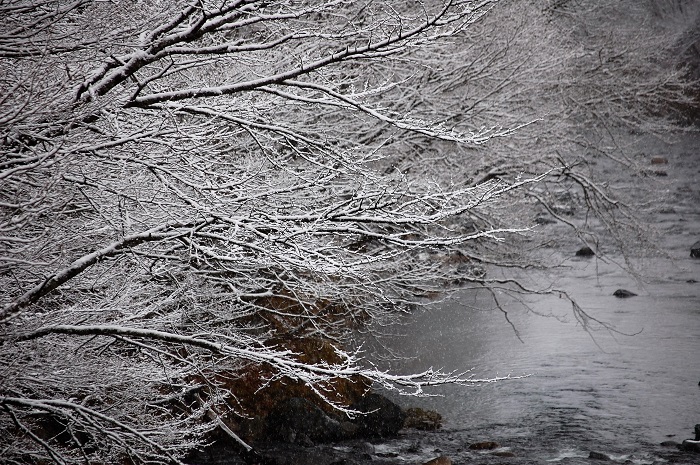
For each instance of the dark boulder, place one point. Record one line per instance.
(695, 250)
(585, 252)
(380, 417)
(297, 420)
(690, 446)
(623, 293)
(599, 456)
(422, 419)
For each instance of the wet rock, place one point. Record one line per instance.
(484, 445)
(659, 161)
(623, 293)
(298, 421)
(442, 460)
(422, 419)
(599, 456)
(697, 429)
(690, 446)
(695, 250)
(504, 453)
(585, 252)
(382, 417)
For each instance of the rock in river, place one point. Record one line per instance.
(623, 293)
(585, 252)
(485, 445)
(599, 456)
(690, 445)
(382, 417)
(695, 250)
(422, 419)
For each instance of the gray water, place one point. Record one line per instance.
(620, 392)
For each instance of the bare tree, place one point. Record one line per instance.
(190, 190)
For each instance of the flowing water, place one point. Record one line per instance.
(619, 392)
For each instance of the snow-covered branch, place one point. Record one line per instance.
(202, 201)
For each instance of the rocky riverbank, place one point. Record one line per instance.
(297, 432)
(448, 447)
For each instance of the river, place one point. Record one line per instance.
(619, 392)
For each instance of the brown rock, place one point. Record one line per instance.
(442, 460)
(485, 445)
(659, 161)
(504, 454)
(422, 419)
(259, 389)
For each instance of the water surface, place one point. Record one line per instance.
(622, 391)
